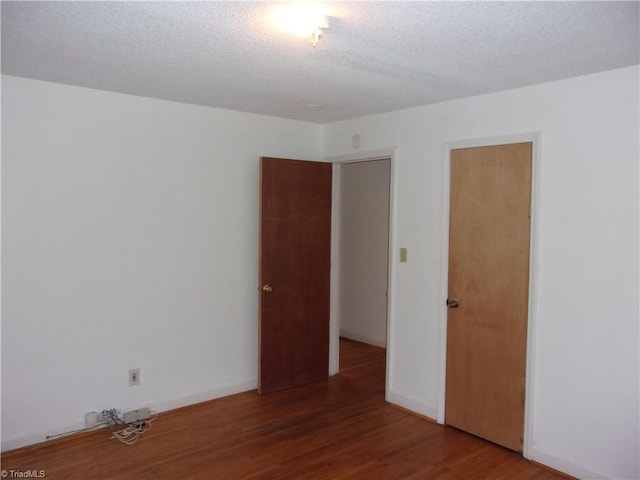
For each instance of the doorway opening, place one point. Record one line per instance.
(361, 254)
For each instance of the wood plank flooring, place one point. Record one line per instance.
(339, 428)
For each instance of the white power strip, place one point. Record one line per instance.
(134, 416)
(94, 419)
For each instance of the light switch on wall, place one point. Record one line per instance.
(403, 255)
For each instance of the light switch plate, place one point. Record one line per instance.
(403, 255)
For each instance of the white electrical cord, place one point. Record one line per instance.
(109, 419)
(131, 431)
(100, 426)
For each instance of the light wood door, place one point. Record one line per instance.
(294, 276)
(489, 279)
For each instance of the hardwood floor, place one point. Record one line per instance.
(340, 428)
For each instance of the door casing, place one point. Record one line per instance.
(536, 139)
(334, 333)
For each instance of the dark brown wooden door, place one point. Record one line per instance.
(295, 263)
(489, 279)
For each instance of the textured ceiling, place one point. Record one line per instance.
(374, 57)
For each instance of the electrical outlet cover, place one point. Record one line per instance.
(134, 377)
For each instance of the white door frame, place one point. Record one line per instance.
(536, 139)
(334, 333)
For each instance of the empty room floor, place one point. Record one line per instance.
(339, 428)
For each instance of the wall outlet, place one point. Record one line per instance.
(134, 377)
(134, 416)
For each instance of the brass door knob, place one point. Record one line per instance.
(452, 303)
(267, 288)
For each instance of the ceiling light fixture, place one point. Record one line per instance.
(302, 19)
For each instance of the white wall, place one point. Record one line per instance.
(364, 247)
(129, 240)
(583, 401)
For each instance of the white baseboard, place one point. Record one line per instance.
(563, 465)
(363, 338)
(413, 405)
(204, 396)
(32, 438)
(40, 436)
